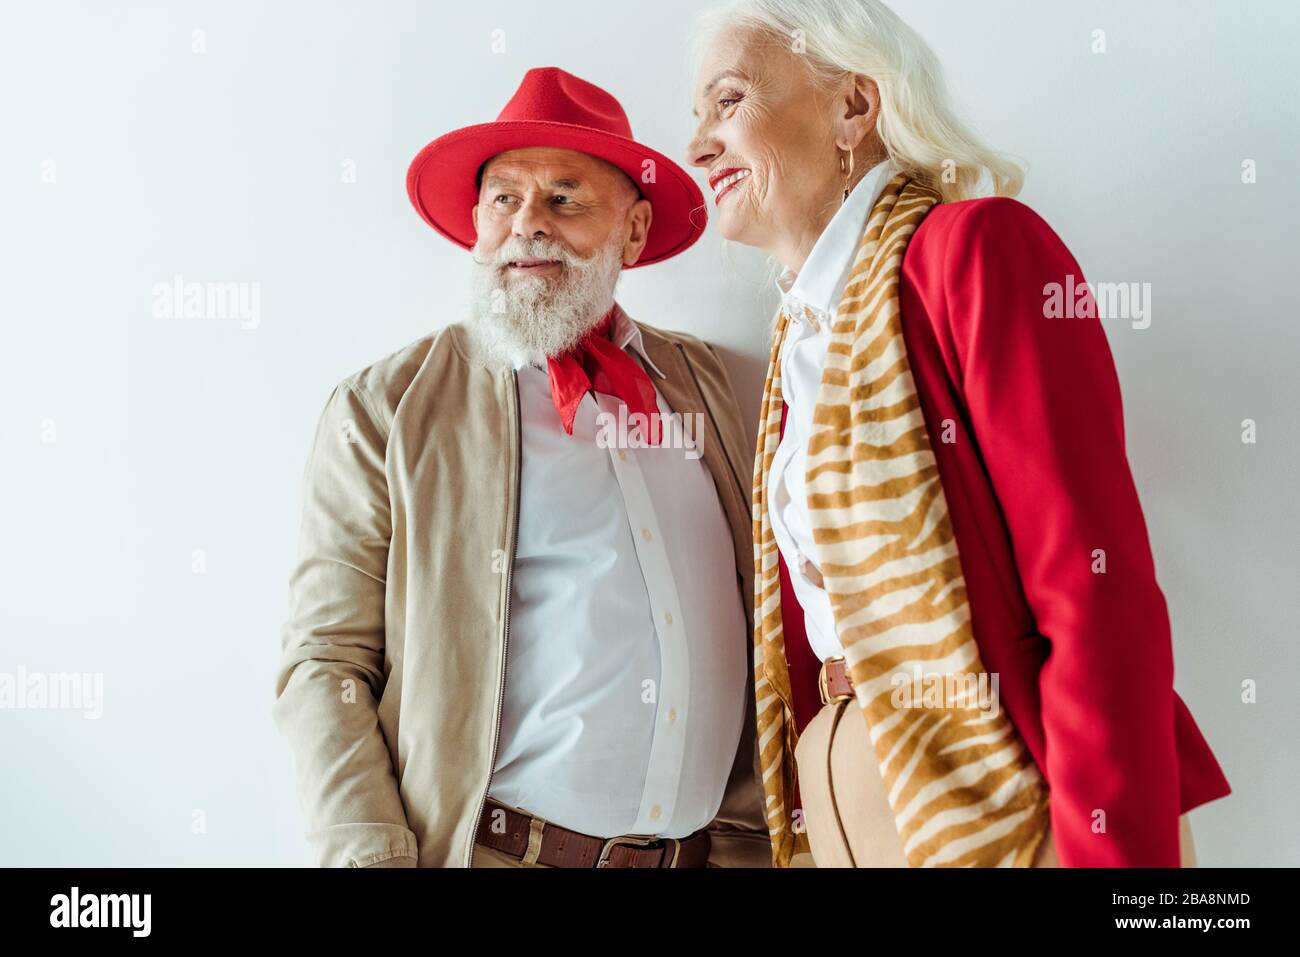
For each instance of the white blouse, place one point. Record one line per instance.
(811, 298)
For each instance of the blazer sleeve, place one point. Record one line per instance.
(1044, 403)
(331, 671)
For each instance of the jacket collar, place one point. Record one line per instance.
(628, 334)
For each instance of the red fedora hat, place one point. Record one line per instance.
(556, 109)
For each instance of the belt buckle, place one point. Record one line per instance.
(631, 840)
(827, 697)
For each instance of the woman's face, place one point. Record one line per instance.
(765, 139)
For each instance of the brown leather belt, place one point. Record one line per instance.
(833, 681)
(560, 847)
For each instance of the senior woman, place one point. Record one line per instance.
(962, 654)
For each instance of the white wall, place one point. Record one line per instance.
(175, 435)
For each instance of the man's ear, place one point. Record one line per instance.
(639, 217)
(857, 108)
(473, 215)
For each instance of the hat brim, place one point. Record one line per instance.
(441, 179)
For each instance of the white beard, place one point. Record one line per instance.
(530, 317)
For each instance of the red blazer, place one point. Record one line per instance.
(1036, 479)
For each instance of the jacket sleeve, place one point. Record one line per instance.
(1044, 403)
(331, 673)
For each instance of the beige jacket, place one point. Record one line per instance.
(392, 671)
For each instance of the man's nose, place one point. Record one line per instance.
(532, 220)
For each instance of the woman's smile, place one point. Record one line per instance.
(725, 180)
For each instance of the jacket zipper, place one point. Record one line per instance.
(505, 627)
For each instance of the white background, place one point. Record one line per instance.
(177, 435)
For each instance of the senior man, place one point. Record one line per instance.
(519, 636)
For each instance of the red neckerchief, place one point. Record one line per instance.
(597, 363)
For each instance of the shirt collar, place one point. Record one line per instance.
(819, 285)
(623, 332)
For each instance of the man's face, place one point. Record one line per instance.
(574, 200)
(555, 228)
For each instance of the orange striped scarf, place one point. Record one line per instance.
(963, 789)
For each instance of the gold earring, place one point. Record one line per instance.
(848, 175)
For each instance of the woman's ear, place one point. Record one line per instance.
(857, 107)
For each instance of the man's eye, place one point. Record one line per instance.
(561, 200)
(728, 101)
(502, 198)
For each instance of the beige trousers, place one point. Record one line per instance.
(845, 809)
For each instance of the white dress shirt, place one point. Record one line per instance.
(626, 665)
(811, 298)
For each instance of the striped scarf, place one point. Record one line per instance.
(963, 789)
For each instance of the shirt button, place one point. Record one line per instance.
(655, 812)
(668, 617)
(622, 454)
(672, 715)
(645, 533)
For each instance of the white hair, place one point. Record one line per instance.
(916, 124)
(531, 317)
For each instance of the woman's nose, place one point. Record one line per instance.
(703, 149)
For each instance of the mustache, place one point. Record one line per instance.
(515, 249)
